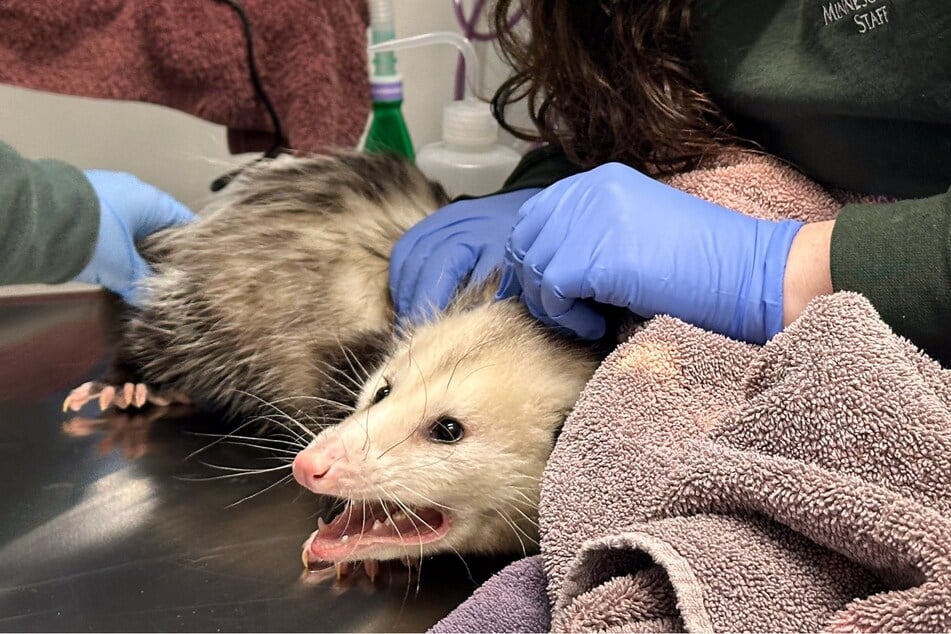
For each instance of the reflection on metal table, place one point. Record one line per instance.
(117, 526)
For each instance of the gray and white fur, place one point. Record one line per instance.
(279, 294)
(282, 278)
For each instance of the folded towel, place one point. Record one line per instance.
(311, 57)
(706, 484)
(801, 486)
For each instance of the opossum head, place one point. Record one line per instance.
(448, 440)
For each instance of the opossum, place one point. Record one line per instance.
(275, 304)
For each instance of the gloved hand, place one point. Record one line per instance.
(129, 210)
(618, 237)
(464, 240)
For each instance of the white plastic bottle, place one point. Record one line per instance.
(469, 159)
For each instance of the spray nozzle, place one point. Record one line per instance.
(382, 29)
(438, 37)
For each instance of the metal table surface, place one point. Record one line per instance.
(112, 526)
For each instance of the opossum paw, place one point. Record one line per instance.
(81, 395)
(120, 397)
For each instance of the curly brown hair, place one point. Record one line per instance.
(610, 81)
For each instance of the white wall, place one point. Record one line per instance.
(173, 150)
(182, 154)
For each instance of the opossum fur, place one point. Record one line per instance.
(277, 298)
(280, 281)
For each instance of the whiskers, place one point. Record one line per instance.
(291, 432)
(272, 446)
(289, 477)
(359, 374)
(339, 378)
(281, 446)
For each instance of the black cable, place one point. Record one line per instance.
(281, 141)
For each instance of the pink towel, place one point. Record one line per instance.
(311, 57)
(703, 484)
(801, 486)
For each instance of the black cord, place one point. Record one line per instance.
(280, 141)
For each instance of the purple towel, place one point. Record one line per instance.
(513, 600)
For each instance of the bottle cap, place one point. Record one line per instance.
(386, 87)
(469, 123)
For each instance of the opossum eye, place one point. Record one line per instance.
(447, 430)
(381, 393)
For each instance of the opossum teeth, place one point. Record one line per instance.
(321, 524)
(309, 539)
(377, 525)
(344, 538)
(399, 515)
(372, 568)
(342, 569)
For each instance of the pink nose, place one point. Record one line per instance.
(313, 467)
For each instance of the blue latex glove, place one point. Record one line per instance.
(129, 210)
(615, 236)
(463, 241)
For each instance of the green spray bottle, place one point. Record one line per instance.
(388, 131)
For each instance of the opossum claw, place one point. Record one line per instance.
(107, 397)
(141, 395)
(128, 394)
(81, 395)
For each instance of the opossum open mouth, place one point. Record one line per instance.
(361, 527)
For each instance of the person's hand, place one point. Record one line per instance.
(129, 210)
(615, 236)
(463, 241)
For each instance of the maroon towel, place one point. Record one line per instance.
(311, 57)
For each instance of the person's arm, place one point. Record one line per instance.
(49, 216)
(614, 236)
(899, 256)
(808, 272)
(60, 223)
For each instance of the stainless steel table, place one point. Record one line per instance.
(113, 527)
